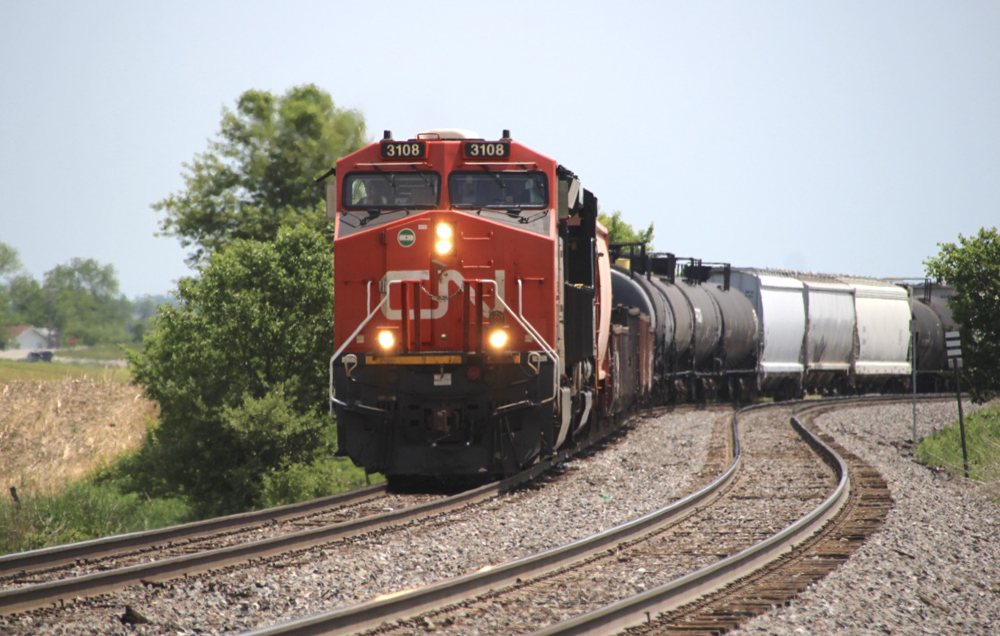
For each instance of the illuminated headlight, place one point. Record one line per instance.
(498, 338)
(386, 339)
(444, 233)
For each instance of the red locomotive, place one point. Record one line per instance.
(473, 306)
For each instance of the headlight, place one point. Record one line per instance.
(498, 338)
(386, 339)
(444, 233)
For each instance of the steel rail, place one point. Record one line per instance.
(404, 604)
(637, 609)
(31, 597)
(106, 546)
(55, 592)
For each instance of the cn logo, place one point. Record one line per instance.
(449, 285)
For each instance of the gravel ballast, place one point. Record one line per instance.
(595, 493)
(933, 568)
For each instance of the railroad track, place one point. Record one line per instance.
(864, 510)
(443, 608)
(194, 559)
(712, 599)
(61, 560)
(743, 589)
(48, 578)
(430, 600)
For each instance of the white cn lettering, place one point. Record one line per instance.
(450, 282)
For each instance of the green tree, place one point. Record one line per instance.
(85, 302)
(259, 174)
(9, 264)
(239, 368)
(27, 301)
(621, 232)
(972, 267)
(9, 261)
(143, 310)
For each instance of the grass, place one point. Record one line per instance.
(943, 449)
(82, 511)
(97, 353)
(96, 507)
(13, 370)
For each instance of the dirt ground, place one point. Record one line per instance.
(54, 432)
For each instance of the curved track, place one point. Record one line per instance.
(650, 542)
(713, 598)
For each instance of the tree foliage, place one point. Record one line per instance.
(259, 174)
(80, 299)
(972, 267)
(239, 368)
(9, 260)
(9, 264)
(86, 302)
(621, 232)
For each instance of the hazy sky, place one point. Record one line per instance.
(838, 136)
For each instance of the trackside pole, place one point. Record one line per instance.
(961, 419)
(913, 363)
(954, 345)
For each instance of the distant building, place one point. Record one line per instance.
(30, 337)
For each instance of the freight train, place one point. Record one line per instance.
(484, 319)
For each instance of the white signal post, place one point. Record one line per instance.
(914, 336)
(954, 346)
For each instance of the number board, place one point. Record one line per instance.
(404, 149)
(487, 149)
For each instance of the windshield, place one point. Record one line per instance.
(371, 199)
(508, 190)
(391, 190)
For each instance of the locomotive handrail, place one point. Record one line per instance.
(527, 326)
(521, 320)
(350, 338)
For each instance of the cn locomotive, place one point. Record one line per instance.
(473, 305)
(483, 319)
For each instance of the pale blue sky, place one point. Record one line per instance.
(831, 136)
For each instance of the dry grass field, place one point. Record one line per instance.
(55, 431)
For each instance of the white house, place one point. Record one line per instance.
(29, 337)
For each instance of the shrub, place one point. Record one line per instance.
(298, 482)
(239, 368)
